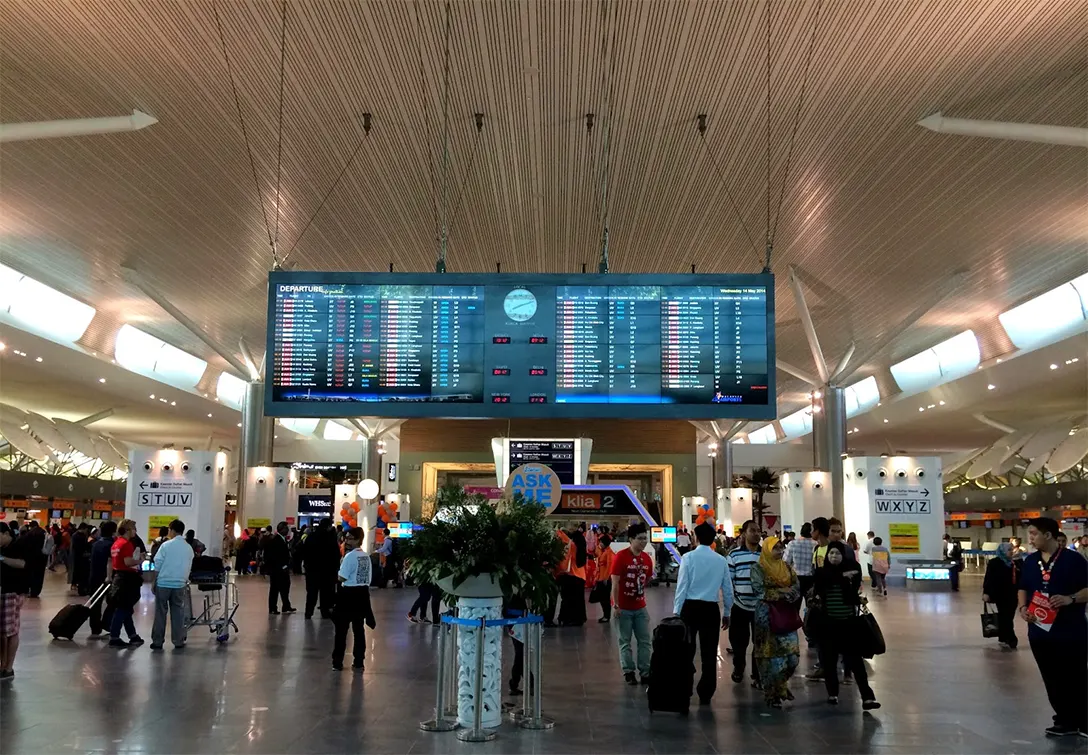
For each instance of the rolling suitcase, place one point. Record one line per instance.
(672, 668)
(73, 616)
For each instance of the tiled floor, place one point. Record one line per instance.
(271, 690)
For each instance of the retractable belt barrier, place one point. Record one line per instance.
(445, 710)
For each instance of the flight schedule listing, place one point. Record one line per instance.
(522, 343)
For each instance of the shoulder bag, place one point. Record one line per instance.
(785, 616)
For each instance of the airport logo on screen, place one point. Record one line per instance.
(475, 345)
(536, 482)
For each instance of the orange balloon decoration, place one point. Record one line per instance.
(355, 507)
(704, 514)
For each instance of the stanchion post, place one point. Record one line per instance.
(538, 721)
(531, 649)
(440, 722)
(452, 673)
(478, 732)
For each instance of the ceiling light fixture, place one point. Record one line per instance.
(817, 395)
(940, 403)
(239, 424)
(209, 416)
(37, 359)
(152, 397)
(921, 408)
(1053, 366)
(173, 403)
(931, 406)
(101, 380)
(4, 346)
(990, 387)
(885, 421)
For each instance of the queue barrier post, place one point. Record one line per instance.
(452, 671)
(478, 733)
(441, 721)
(537, 721)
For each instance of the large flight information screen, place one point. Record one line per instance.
(478, 345)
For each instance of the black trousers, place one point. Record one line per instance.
(1006, 629)
(836, 640)
(427, 594)
(606, 604)
(1063, 665)
(704, 623)
(320, 593)
(36, 569)
(279, 588)
(572, 609)
(740, 634)
(954, 576)
(351, 612)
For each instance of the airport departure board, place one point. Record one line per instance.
(558, 346)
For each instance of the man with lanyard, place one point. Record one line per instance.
(631, 572)
(740, 599)
(702, 577)
(352, 602)
(1051, 598)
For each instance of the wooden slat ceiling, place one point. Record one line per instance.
(875, 211)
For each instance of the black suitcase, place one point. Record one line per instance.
(672, 668)
(73, 616)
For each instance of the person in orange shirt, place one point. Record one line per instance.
(572, 580)
(605, 558)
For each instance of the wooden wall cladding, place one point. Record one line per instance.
(609, 436)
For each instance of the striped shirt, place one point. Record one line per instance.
(799, 556)
(738, 570)
(836, 606)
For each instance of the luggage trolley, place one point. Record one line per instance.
(215, 582)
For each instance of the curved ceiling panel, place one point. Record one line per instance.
(1069, 452)
(24, 441)
(1036, 465)
(77, 437)
(107, 453)
(47, 432)
(986, 461)
(1046, 440)
(120, 447)
(10, 413)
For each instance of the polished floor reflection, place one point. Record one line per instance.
(271, 690)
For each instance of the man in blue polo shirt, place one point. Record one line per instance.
(1052, 595)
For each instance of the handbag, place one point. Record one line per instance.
(599, 593)
(785, 616)
(869, 638)
(989, 622)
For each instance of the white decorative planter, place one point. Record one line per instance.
(478, 597)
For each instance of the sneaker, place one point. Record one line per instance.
(290, 610)
(869, 704)
(1060, 730)
(154, 646)
(6, 675)
(413, 619)
(99, 636)
(629, 677)
(603, 621)
(273, 613)
(137, 640)
(833, 700)
(117, 642)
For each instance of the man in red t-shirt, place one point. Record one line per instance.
(125, 558)
(631, 572)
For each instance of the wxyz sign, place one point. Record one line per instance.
(904, 507)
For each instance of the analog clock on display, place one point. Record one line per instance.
(520, 305)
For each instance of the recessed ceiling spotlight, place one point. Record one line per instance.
(239, 424)
(998, 360)
(857, 430)
(173, 403)
(990, 387)
(921, 408)
(4, 346)
(152, 397)
(885, 421)
(931, 406)
(1053, 366)
(941, 403)
(101, 380)
(817, 394)
(37, 359)
(1072, 432)
(209, 416)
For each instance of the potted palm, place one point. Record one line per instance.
(480, 552)
(761, 481)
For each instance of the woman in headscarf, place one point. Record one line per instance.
(999, 587)
(572, 583)
(775, 651)
(837, 587)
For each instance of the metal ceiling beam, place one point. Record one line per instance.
(942, 290)
(810, 329)
(736, 429)
(1021, 132)
(798, 373)
(137, 280)
(255, 371)
(993, 423)
(841, 366)
(95, 417)
(18, 132)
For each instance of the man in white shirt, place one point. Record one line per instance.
(173, 561)
(867, 553)
(352, 602)
(702, 579)
(683, 541)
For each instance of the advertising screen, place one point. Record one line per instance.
(662, 534)
(477, 345)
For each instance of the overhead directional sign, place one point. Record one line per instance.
(903, 499)
(536, 482)
(176, 492)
